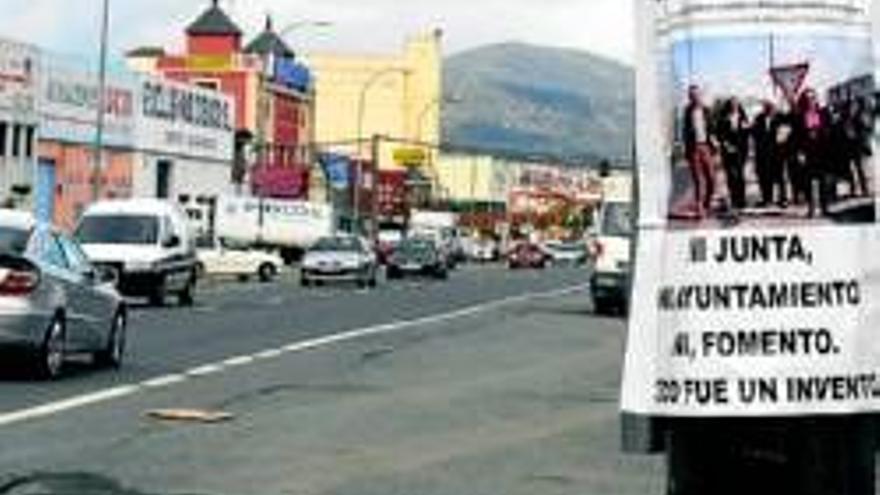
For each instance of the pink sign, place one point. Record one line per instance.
(282, 182)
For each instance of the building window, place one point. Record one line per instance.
(29, 144)
(4, 127)
(16, 140)
(211, 84)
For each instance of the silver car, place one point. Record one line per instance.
(340, 258)
(53, 302)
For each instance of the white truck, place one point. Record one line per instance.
(442, 226)
(290, 227)
(611, 242)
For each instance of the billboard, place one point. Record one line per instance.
(179, 119)
(19, 73)
(755, 291)
(69, 104)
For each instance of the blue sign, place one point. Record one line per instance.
(293, 74)
(337, 168)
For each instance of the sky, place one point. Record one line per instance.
(603, 27)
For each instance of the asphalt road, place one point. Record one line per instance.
(494, 382)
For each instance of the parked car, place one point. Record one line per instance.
(527, 255)
(221, 257)
(484, 251)
(147, 242)
(53, 302)
(418, 257)
(566, 253)
(340, 258)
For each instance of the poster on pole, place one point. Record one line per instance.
(757, 283)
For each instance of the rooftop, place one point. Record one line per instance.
(268, 42)
(214, 21)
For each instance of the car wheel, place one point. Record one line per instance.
(304, 281)
(157, 297)
(187, 297)
(267, 272)
(602, 306)
(53, 351)
(113, 354)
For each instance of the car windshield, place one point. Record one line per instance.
(417, 247)
(334, 244)
(617, 221)
(569, 247)
(118, 229)
(13, 240)
(390, 236)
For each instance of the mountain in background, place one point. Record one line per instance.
(524, 99)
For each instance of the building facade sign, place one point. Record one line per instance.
(19, 73)
(69, 103)
(175, 118)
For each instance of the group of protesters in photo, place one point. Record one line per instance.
(801, 151)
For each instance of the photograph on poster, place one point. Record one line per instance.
(772, 130)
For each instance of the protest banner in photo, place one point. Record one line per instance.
(757, 285)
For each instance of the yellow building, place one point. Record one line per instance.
(398, 97)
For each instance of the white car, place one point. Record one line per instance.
(218, 257)
(341, 258)
(483, 251)
(566, 253)
(147, 243)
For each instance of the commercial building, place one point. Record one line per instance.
(396, 96)
(19, 76)
(161, 139)
(68, 102)
(271, 90)
(488, 190)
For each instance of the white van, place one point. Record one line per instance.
(611, 244)
(147, 242)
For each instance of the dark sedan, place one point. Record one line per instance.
(418, 257)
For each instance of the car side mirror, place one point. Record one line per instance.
(171, 242)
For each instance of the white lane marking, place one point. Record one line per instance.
(77, 402)
(163, 381)
(269, 354)
(107, 395)
(237, 361)
(208, 369)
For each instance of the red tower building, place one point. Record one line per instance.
(272, 91)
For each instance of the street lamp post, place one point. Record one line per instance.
(371, 81)
(97, 160)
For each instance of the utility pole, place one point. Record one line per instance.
(375, 150)
(97, 160)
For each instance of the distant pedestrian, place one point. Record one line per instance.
(767, 166)
(733, 136)
(814, 129)
(700, 146)
(786, 159)
(858, 127)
